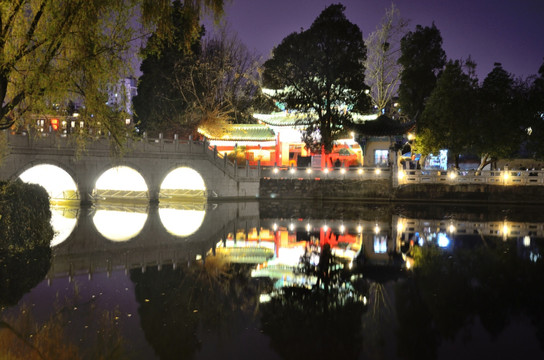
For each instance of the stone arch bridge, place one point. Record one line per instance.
(153, 159)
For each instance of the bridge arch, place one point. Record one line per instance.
(55, 178)
(182, 181)
(120, 182)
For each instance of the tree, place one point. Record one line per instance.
(221, 86)
(158, 105)
(319, 73)
(59, 50)
(446, 122)
(500, 128)
(382, 67)
(536, 115)
(422, 59)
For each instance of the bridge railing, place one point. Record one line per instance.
(56, 142)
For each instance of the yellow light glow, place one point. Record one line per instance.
(308, 227)
(309, 171)
(325, 228)
(326, 170)
(276, 170)
(291, 226)
(526, 241)
(505, 229)
(275, 226)
(400, 226)
(451, 228)
(505, 176)
(343, 171)
(117, 225)
(411, 136)
(360, 171)
(401, 175)
(183, 178)
(342, 228)
(359, 229)
(452, 175)
(377, 171)
(55, 180)
(181, 222)
(292, 170)
(121, 178)
(62, 225)
(377, 229)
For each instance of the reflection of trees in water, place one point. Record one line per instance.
(310, 324)
(25, 235)
(23, 336)
(492, 282)
(175, 303)
(318, 322)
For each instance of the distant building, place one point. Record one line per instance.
(120, 95)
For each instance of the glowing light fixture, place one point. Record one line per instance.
(359, 229)
(342, 228)
(377, 171)
(526, 241)
(452, 175)
(309, 170)
(376, 229)
(360, 171)
(401, 175)
(276, 170)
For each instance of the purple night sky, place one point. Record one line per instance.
(507, 31)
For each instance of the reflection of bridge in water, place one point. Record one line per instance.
(237, 231)
(86, 250)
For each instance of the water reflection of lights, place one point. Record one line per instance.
(64, 221)
(119, 224)
(182, 221)
(442, 240)
(55, 180)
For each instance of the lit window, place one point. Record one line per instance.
(381, 157)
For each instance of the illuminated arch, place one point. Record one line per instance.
(56, 181)
(121, 183)
(118, 225)
(182, 183)
(121, 178)
(182, 221)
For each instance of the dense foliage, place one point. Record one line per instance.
(25, 234)
(54, 51)
(422, 59)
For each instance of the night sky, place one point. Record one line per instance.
(507, 31)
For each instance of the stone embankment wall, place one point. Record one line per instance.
(382, 190)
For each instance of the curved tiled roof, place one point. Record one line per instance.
(382, 126)
(242, 132)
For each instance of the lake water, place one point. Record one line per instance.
(281, 280)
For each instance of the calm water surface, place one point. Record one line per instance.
(280, 280)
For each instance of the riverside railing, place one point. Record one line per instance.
(456, 177)
(339, 173)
